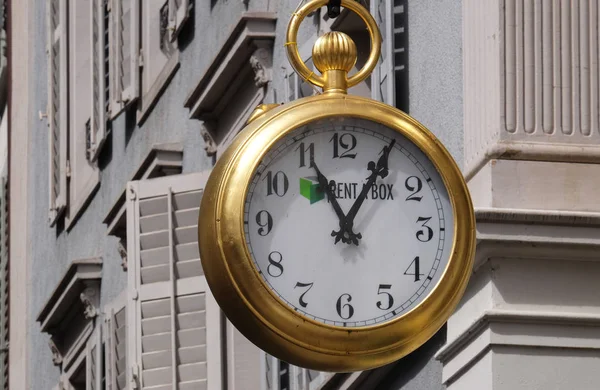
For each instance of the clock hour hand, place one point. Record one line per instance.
(377, 170)
(325, 187)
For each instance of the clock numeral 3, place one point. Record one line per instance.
(275, 268)
(417, 268)
(277, 183)
(390, 299)
(311, 154)
(265, 221)
(347, 307)
(415, 188)
(424, 235)
(301, 299)
(347, 142)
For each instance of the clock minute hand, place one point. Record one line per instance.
(324, 184)
(379, 170)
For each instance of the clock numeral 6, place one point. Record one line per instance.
(390, 299)
(301, 299)
(277, 183)
(421, 234)
(347, 307)
(347, 142)
(275, 268)
(265, 221)
(413, 183)
(417, 274)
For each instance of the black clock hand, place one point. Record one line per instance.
(324, 184)
(379, 170)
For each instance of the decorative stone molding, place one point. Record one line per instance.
(531, 84)
(209, 144)
(123, 253)
(262, 65)
(68, 314)
(57, 358)
(89, 298)
(254, 31)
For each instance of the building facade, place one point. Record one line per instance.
(118, 109)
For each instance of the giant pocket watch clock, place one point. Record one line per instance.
(336, 232)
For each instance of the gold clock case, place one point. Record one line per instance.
(247, 300)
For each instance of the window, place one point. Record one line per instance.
(175, 330)
(72, 318)
(163, 160)
(236, 81)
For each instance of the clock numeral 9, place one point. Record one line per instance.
(417, 268)
(301, 299)
(424, 235)
(265, 221)
(415, 187)
(390, 299)
(311, 154)
(347, 142)
(277, 183)
(275, 268)
(347, 307)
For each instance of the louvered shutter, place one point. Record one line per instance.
(57, 106)
(244, 361)
(115, 355)
(126, 19)
(4, 287)
(93, 361)
(179, 12)
(98, 123)
(176, 335)
(84, 176)
(382, 78)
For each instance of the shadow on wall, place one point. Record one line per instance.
(407, 368)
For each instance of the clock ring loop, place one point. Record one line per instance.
(291, 44)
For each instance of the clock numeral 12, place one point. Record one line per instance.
(347, 142)
(417, 274)
(339, 307)
(301, 299)
(311, 154)
(277, 183)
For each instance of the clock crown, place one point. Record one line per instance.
(334, 51)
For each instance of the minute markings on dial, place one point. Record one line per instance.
(405, 300)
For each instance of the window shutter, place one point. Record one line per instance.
(177, 322)
(83, 175)
(126, 49)
(179, 12)
(382, 78)
(115, 355)
(93, 360)
(98, 122)
(57, 106)
(4, 287)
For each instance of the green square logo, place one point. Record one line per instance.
(309, 188)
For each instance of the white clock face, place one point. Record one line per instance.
(348, 222)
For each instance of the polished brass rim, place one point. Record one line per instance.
(257, 312)
(292, 44)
